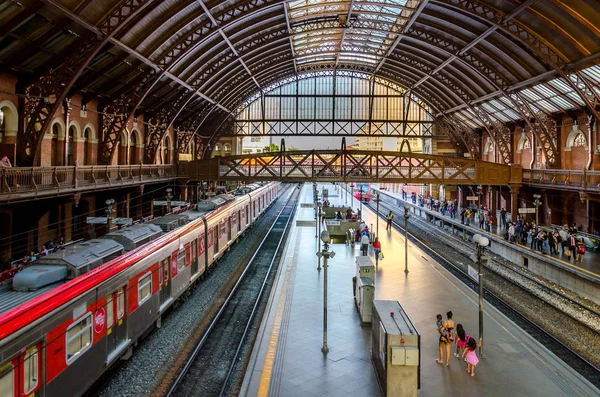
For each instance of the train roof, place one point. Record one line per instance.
(137, 232)
(10, 298)
(81, 254)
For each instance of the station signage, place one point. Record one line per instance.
(473, 273)
(526, 210)
(472, 198)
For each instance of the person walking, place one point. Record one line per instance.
(580, 250)
(461, 340)
(470, 356)
(390, 218)
(364, 244)
(571, 247)
(377, 249)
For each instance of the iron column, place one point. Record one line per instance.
(481, 242)
(537, 203)
(406, 216)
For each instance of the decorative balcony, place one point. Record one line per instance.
(586, 181)
(25, 183)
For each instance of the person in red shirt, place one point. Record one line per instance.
(376, 249)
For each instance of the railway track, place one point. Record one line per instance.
(575, 360)
(210, 368)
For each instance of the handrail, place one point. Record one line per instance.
(38, 181)
(566, 179)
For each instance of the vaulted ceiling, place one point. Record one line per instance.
(190, 62)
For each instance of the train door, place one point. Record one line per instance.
(229, 228)
(254, 209)
(217, 236)
(247, 212)
(163, 280)
(194, 248)
(116, 322)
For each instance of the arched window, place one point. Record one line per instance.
(527, 143)
(217, 148)
(55, 152)
(133, 158)
(580, 140)
(227, 147)
(87, 135)
(167, 150)
(72, 135)
(123, 148)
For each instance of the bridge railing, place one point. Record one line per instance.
(35, 181)
(563, 179)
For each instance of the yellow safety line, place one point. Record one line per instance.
(265, 378)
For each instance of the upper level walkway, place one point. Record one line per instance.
(581, 181)
(26, 183)
(354, 165)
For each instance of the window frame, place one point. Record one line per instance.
(110, 309)
(120, 303)
(74, 357)
(31, 354)
(142, 286)
(181, 260)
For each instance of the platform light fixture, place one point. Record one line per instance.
(109, 211)
(169, 197)
(537, 204)
(481, 242)
(326, 254)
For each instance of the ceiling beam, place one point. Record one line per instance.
(522, 7)
(412, 20)
(290, 36)
(224, 36)
(80, 21)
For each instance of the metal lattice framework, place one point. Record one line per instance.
(481, 66)
(355, 165)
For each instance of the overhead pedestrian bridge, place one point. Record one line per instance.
(353, 166)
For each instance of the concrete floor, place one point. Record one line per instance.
(287, 359)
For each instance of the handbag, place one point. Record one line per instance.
(581, 250)
(568, 252)
(380, 255)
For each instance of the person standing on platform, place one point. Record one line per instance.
(580, 250)
(470, 356)
(461, 340)
(390, 218)
(571, 247)
(446, 339)
(364, 244)
(503, 217)
(377, 249)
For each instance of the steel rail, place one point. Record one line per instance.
(183, 373)
(466, 279)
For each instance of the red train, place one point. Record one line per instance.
(101, 314)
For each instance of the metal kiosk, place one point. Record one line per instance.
(364, 288)
(395, 350)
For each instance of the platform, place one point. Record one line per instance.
(591, 259)
(287, 359)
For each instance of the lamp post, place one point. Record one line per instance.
(377, 222)
(361, 199)
(406, 216)
(109, 211)
(480, 211)
(537, 203)
(169, 197)
(481, 242)
(319, 220)
(326, 254)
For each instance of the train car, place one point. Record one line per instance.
(59, 340)
(362, 191)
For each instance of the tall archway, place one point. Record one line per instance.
(87, 146)
(123, 146)
(70, 150)
(133, 140)
(9, 123)
(56, 149)
(167, 150)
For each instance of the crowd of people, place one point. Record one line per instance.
(46, 249)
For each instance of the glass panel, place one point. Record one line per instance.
(109, 311)
(79, 338)
(145, 287)
(120, 303)
(7, 379)
(30, 370)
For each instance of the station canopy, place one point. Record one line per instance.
(471, 62)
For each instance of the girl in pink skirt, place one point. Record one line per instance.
(470, 356)
(461, 340)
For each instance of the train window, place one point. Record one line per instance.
(110, 316)
(120, 303)
(79, 338)
(30, 370)
(7, 380)
(194, 250)
(144, 288)
(181, 260)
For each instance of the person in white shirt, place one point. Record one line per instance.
(364, 244)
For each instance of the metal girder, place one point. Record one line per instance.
(159, 124)
(224, 36)
(538, 45)
(44, 97)
(353, 165)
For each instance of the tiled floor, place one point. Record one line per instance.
(287, 360)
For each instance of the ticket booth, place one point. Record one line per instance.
(364, 288)
(395, 349)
